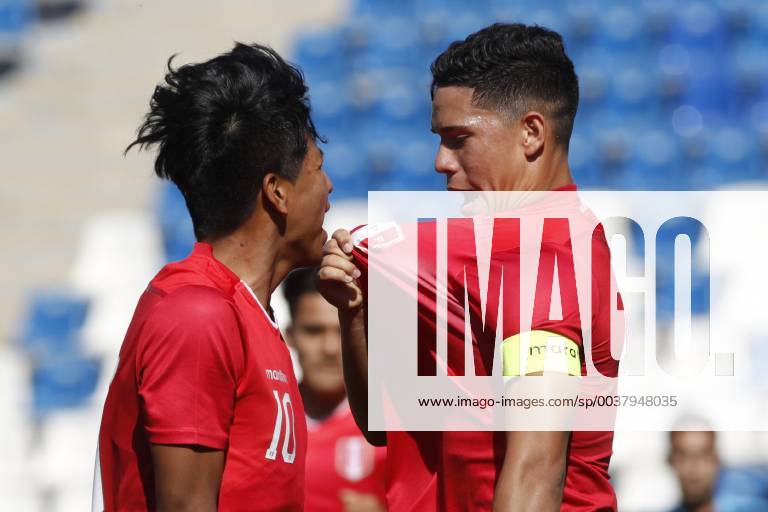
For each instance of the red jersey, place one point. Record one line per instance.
(457, 471)
(339, 458)
(203, 364)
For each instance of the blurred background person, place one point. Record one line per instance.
(705, 484)
(344, 472)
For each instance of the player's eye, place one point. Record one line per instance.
(312, 330)
(454, 141)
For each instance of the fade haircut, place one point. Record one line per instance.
(514, 68)
(221, 125)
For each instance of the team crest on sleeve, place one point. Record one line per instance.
(354, 458)
(378, 236)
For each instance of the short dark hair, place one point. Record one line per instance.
(514, 68)
(299, 282)
(221, 125)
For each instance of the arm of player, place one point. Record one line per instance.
(336, 281)
(533, 472)
(187, 477)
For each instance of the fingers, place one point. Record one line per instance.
(336, 268)
(343, 239)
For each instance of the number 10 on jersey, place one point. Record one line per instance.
(284, 408)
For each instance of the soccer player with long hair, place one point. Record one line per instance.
(204, 411)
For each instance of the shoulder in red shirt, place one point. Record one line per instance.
(458, 470)
(339, 458)
(202, 363)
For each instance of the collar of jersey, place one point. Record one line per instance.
(228, 278)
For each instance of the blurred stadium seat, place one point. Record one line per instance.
(53, 319)
(63, 381)
(15, 17)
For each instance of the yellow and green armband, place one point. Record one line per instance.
(545, 352)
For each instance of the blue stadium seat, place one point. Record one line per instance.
(665, 266)
(659, 20)
(63, 382)
(621, 27)
(383, 7)
(347, 168)
(757, 18)
(654, 161)
(403, 104)
(647, 70)
(733, 153)
(699, 25)
(323, 54)
(594, 84)
(673, 63)
(389, 41)
(746, 74)
(15, 17)
(51, 321)
(175, 223)
(582, 22)
(633, 91)
(612, 144)
(415, 162)
(332, 110)
(582, 159)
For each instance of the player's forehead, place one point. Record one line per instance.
(694, 441)
(452, 107)
(312, 304)
(314, 153)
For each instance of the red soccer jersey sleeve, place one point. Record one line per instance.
(188, 366)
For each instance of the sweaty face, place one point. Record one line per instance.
(693, 458)
(307, 207)
(479, 149)
(316, 337)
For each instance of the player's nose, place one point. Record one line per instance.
(331, 344)
(445, 162)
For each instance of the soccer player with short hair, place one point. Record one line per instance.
(503, 103)
(204, 411)
(344, 472)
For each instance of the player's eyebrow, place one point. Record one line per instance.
(442, 130)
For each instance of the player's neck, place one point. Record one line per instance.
(319, 406)
(706, 506)
(555, 172)
(253, 253)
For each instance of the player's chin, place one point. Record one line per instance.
(313, 251)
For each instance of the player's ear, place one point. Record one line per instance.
(533, 134)
(275, 190)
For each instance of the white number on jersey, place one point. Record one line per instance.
(284, 408)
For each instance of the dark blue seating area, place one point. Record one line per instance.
(175, 223)
(62, 376)
(15, 17)
(64, 381)
(673, 93)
